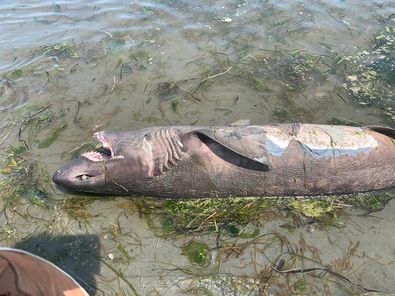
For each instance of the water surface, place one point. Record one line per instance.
(70, 68)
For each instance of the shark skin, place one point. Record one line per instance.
(240, 159)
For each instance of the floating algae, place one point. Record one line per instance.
(16, 73)
(22, 178)
(297, 68)
(196, 252)
(64, 50)
(53, 135)
(175, 105)
(76, 207)
(230, 216)
(370, 74)
(85, 147)
(312, 208)
(371, 201)
(205, 214)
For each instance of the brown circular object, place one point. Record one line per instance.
(25, 274)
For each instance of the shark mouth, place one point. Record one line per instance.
(103, 153)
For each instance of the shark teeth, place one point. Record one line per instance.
(96, 156)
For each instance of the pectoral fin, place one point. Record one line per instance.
(245, 142)
(390, 132)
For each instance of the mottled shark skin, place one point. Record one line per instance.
(236, 160)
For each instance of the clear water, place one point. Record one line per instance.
(121, 65)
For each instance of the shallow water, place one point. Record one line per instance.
(70, 68)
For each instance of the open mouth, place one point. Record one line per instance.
(103, 153)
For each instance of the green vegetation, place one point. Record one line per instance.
(280, 114)
(139, 55)
(124, 253)
(283, 84)
(362, 86)
(22, 179)
(147, 10)
(35, 122)
(301, 285)
(232, 215)
(175, 104)
(296, 68)
(206, 214)
(85, 147)
(76, 207)
(16, 73)
(52, 136)
(370, 202)
(385, 47)
(60, 50)
(339, 121)
(36, 119)
(370, 73)
(312, 208)
(196, 252)
(117, 44)
(275, 70)
(167, 90)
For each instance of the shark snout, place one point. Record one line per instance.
(57, 177)
(78, 173)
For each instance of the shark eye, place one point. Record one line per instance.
(83, 177)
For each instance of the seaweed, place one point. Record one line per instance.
(301, 285)
(196, 252)
(85, 147)
(76, 207)
(16, 73)
(175, 217)
(52, 136)
(230, 216)
(341, 121)
(297, 68)
(312, 208)
(37, 121)
(384, 44)
(22, 179)
(175, 105)
(280, 114)
(124, 253)
(167, 90)
(60, 50)
(370, 73)
(116, 44)
(371, 201)
(121, 276)
(148, 10)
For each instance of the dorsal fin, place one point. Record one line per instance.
(245, 142)
(163, 148)
(388, 131)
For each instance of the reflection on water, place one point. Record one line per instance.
(69, 68)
